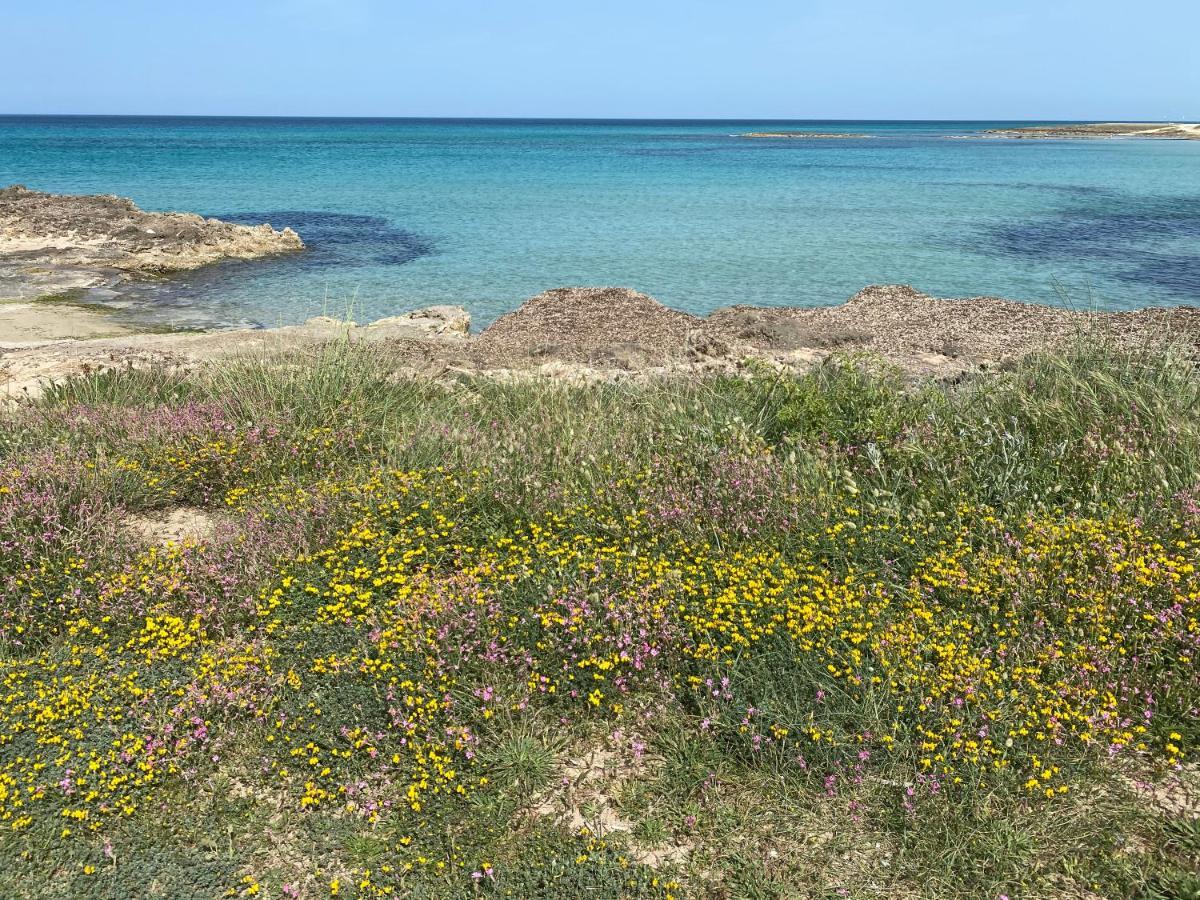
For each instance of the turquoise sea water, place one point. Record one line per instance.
(405, 213)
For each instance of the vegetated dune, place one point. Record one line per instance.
(314, 626)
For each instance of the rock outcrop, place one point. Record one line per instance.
(50, 243)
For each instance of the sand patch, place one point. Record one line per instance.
(1177, 795)
(174, 525)
(415, 340)
(586, 796)
(22, 322)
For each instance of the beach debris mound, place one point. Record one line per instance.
(605, 327)
(613, 334)
(935, 335)
(899, 322)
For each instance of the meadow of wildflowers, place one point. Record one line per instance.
(818, 636)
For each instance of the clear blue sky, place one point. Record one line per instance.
(1047, 59)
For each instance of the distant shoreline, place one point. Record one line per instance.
(1174, 131)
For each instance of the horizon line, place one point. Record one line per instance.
(577, 119)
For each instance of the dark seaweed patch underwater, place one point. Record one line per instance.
(1138, 240)
(343, 239)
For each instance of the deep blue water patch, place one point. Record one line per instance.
(1176, 273)
(1149, 241)
(343, 239)
(1037, 187)
(1100, 229)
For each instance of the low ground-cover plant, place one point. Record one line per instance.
(827, 635)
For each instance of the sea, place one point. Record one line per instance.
(404, 213)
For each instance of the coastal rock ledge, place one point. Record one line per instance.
(58, 242)
(613, 334)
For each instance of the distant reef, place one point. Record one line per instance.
(1177, 131)
(56, 243)
(817, 135)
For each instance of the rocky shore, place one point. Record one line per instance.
(615, 333)
(1159, 130)
(574, 333)
(52, 244)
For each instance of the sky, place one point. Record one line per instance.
(853, 59)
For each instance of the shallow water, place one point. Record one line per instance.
(405, 213)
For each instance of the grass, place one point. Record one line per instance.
(831, 635)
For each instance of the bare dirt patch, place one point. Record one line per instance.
(172, 525)
(1176, 795)
(587, 795)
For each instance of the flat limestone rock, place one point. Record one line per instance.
(52, 243)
